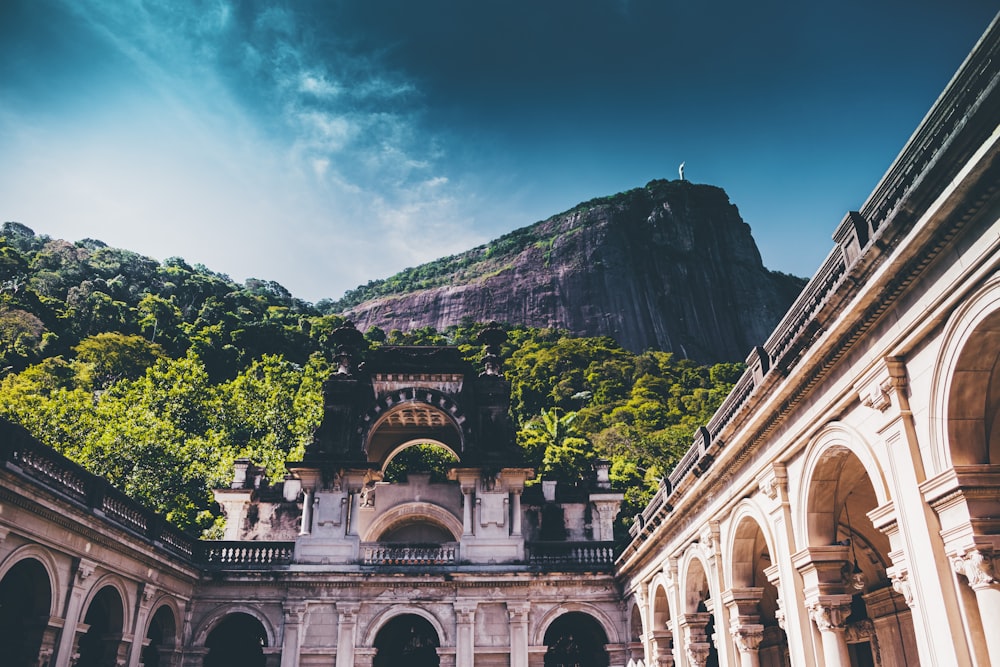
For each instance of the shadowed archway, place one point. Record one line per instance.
(408, 640)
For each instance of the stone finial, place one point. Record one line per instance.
(492, 338)
(348, 342)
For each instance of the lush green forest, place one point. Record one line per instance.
(158, 375)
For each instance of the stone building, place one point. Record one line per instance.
(843, 505)
(841, 508)
(335, 566)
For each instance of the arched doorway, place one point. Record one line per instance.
(102, 645)
(161, 639)
(237, 641)
(407, 640)
(841, 495)
(25, 600)
(575, 639)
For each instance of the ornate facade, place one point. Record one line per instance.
(841, 507)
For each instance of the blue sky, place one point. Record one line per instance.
(324, 143)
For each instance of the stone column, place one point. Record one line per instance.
(346, 626)
(139, 622)
(518, 612)
(977, 566)
(466, 510)
(914, 532)
(791, 616)
(291, 639)
(830, 613)
(744, 622)
(515, 520)
(465, 632)
(696, 641)
(307, 510)
(74, 607)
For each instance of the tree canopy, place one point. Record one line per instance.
(159, 375)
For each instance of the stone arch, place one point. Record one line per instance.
(26, 601)
(965, 387)
(217, 615)
(752, 596)
(840, 490)
(121, 588)
(106, 614)
(694, 580)
(412, 513)
(576, 639)
(46, 561)
(636, 626)
(661, 612)
(407, 639)
(385, 616)
(416, 441)
(414, 414)
(826, 483)
(743, 545)
(161, 638)
(238, 639)
(609, 626)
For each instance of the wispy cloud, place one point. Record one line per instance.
(328, 136)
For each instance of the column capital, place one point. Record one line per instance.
(348, 611)
(977, 566)
(830, 612)
(748, 637)
(518, 611)
(697, 653)
(465, 611)
(900, 578)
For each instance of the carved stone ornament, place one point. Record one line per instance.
(862, 631)
(85, 569)
(901, 584)
(697, 653)
(977, 567)
(829, 616)
(748, 637)
(773, 480)
(465, 613)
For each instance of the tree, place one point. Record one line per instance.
(107, 358)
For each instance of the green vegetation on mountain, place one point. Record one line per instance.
(476, 263)
(158, 376)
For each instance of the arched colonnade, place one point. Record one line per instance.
(872, 544)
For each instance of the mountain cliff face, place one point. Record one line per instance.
(670, 266)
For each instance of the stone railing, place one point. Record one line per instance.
(960, 121)
(245, 555)
(386, 553)
(42, 465)
(583, 555)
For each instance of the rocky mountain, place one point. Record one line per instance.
(670, 266)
